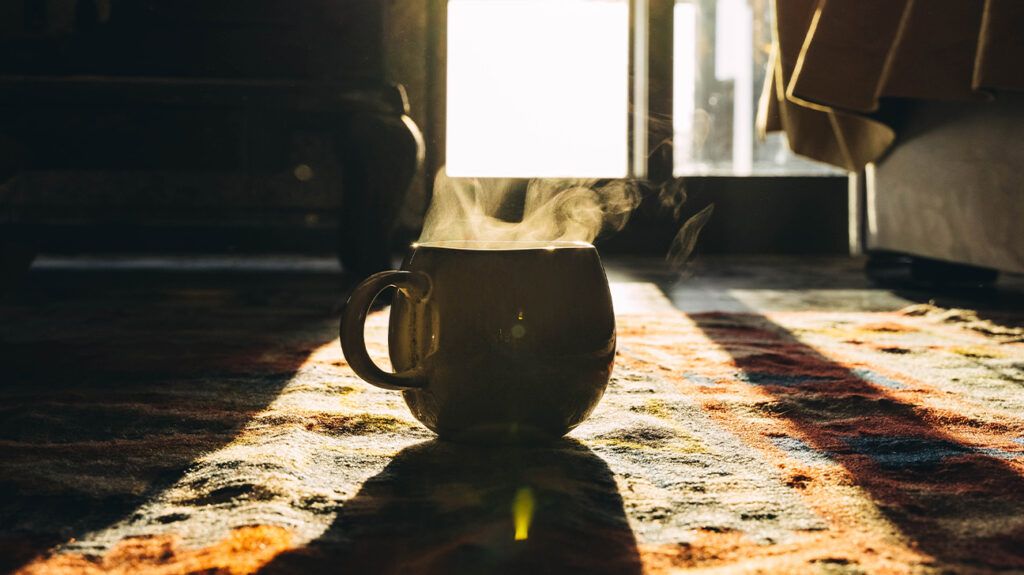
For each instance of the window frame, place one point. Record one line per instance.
(650, 127)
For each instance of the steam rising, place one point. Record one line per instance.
(496, 211)
(549, 210)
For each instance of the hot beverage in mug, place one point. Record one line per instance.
(492, 341)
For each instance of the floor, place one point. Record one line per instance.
(709, 283)
(773, 283)
(200, 324)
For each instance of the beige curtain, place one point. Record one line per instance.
(834, 59)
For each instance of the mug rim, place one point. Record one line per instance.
(501, 245)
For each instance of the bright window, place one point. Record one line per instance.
(538, 88)
(720, 60)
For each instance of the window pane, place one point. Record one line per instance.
(721, 56)
(537, 88)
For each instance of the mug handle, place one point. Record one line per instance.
(414, 285)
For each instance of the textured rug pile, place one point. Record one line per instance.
(236, 440)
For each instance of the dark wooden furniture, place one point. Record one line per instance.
(167, 124)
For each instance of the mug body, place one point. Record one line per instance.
(517, 340)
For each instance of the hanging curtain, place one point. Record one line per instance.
(834, 59)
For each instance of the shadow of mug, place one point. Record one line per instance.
(445, 508)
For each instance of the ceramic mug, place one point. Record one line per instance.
(492, 342)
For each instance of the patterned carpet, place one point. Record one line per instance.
(234, 439)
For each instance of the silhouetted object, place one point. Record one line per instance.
(188, 125)
(496, 342)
